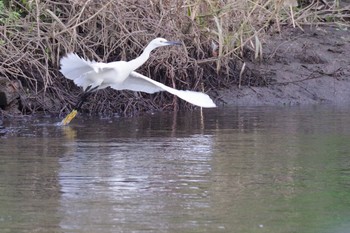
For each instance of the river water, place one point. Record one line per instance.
(244, 170)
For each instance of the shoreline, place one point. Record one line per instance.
(309, 67)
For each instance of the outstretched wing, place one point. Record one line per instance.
(139, 82)
(83, 72)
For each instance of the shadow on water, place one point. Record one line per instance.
(226, 170)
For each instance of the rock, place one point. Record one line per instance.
(9, 92)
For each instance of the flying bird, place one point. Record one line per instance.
(121, 75)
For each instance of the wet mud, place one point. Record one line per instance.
(302, 67)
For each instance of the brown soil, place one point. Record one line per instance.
(300, 68)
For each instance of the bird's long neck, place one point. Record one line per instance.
(137, 62)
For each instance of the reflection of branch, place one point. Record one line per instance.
(311, 76)
(174, 124)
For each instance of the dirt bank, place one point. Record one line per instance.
(301, 68)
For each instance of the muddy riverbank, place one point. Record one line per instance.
(303, 67)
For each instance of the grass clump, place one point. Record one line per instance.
(217, 37)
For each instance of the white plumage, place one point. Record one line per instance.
(120, 75)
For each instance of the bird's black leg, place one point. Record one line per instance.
(89, 89)
(77, 107)
(84, 97)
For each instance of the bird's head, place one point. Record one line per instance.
(158, 42)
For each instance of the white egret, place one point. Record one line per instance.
(121, 75)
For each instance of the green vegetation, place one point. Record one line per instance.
(216, 35)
